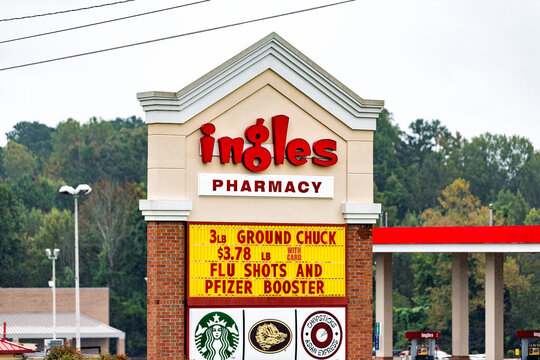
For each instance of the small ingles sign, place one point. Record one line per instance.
(422, 335)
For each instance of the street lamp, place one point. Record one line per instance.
(52, 284)
(68, 190)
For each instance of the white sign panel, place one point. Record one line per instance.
(322, 334)
(263, 333)
(216, 334)
(296, 186)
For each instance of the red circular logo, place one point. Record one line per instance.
(321, 335)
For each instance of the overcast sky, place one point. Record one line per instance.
(474, 65)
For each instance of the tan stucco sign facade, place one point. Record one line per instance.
(264, 158)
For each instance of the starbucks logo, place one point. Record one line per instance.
(216, 336)
(321, 335)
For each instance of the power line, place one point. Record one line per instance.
(177, 36)
(66, 11)
(100, 22)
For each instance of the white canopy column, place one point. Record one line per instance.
(460, 306)
(494, 306)
(383, 305)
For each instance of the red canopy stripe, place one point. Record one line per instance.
(457, 235)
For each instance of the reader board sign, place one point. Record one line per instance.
(240, 261)
(262, 333)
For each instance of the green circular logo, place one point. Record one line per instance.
(216, 336)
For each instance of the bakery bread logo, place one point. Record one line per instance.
(216, 336)
(270, 336)
(321, 335)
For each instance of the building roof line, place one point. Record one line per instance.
(270, 53)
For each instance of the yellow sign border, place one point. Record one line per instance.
(266, 260)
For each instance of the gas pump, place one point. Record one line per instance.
(529, 351)
(421, 351)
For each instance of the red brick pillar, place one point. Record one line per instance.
(166, 300)
(359, 291)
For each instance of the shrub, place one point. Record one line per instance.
(113, 357)
(66, 352)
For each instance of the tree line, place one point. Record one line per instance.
(425, 176)
(110, 156)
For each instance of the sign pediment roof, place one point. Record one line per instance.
(274, 53)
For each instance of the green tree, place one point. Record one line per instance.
(513, 208)
(518, 292)
(98, 150)
(409, 310)
(492, 162)
(396, 195)
(458, 207)
(425, 181)
(104, 221)
(35, 136)
(65, 160)
(17, 161)
(428, 164)
(122, 155)
(386, 149)
(129, 123)
(56, 231)
(40, 193)
(129, 313)
(11, 221)
(35, 265)
(411, 219)
(528, 180)
(95, 134)
(425, 138)
(532, 218)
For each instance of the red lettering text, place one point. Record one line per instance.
(258, 158)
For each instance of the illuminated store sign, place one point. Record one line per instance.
(266, 261)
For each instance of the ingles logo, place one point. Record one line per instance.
(258, 158)
(270, 336)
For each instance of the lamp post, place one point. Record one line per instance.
(68, 190)
(52, 256)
